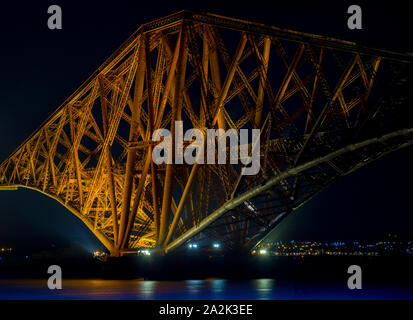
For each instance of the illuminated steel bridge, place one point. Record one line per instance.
(325, 107)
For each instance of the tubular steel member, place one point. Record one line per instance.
(324, 107)
(233, 203)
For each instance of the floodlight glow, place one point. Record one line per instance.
(144, 252)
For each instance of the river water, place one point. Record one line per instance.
(87, 289)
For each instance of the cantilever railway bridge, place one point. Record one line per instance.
(325, 107)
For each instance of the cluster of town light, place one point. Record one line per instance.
(335, 248)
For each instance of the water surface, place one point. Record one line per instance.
(262, 289)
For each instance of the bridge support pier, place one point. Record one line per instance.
(115, 253)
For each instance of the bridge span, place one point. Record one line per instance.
(324, 108)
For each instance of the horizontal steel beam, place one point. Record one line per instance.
(8, 188)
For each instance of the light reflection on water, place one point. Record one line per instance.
(209, 289)
(264, 288)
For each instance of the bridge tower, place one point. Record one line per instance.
(324, 107)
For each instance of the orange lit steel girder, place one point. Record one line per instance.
(311, 96)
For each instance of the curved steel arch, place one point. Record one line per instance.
(101, 237)
(407, 140)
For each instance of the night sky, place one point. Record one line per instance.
(40, 68)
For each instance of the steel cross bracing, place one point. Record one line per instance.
(325, 107)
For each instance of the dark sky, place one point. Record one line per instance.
(40, 68)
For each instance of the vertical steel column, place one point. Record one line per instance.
(131, 158)
(176, 109)
(260, 98)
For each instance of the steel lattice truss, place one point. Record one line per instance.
(325, 107)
